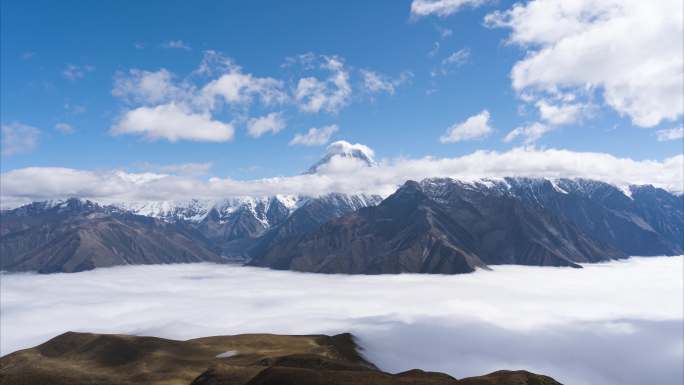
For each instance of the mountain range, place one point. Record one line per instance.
(437, 225)
(451, 226)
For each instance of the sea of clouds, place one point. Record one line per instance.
(616, 323)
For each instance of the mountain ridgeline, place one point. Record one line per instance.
(433, 226)
(449, 226)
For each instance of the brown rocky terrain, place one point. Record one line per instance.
(248, 359)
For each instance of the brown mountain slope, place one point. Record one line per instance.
(81, 235)
(248, 359)
(414, 231)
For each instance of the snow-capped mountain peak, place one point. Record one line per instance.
(344, 150)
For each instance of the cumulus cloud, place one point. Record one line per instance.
(330, 94)
(182, 110)
(176, 44)
(64, 128)
(552, 115)
(219, 90)
(374, 82)
(630, 51)
(615, 323)
(273, 122)
(173, 122)
(475, 127)
(346, 175)
(18, 138)
(441, 7)
(315, 136)
(530, 133)
(560, 114)
(146, 87)
(73, 72)
(236, 87)
(670, 134)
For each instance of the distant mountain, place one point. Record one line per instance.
(76, 235)
(311, 215)
(247, 359)
(439, 225)
(450, 226)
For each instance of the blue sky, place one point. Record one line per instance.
(60, 62)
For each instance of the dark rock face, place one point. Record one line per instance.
(253, 359)
(80, 235)
(311, 215)
(448, 226)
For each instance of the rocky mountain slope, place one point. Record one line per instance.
(77, 235)
(250, 359)
(439, 225)
(450, 226)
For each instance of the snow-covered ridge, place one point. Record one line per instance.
(195, 210)
(527, 186)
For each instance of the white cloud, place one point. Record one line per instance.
(530, 133)
(475, 127)
(561, 114)
(64, 128)
(315, 136)
(628, 49)
(145, 87)
(173, 122)
(18, 138)
(74, 72)
(213, 63)
(331, 94)
(670, 134)
(616, 323)
(455, 60)
(552, 116)
(441, 7)
(176, 44)
(272, 122)
(40, 183)
(374, 82)
(183, 110)
(220, 87)
(236, 87)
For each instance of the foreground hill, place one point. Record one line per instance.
(250, 359)
(450, 226)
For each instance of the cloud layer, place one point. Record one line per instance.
(617, 323)
(346, 175)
